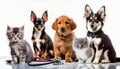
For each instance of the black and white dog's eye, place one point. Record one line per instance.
(96, 21)
(42, 22)
(90, 20)
(36, 22)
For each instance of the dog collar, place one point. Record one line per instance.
(63, 37)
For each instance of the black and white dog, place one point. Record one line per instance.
(42, 43)
(103, 48)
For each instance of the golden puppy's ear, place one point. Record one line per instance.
(73, 24)
(54, 25)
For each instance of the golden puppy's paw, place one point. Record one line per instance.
(69, 60)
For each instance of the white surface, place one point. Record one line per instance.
(73, 65)
(16, 13)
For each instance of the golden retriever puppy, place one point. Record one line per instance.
(63, 38)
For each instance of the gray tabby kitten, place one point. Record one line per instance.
(83, 52)
(20, 49)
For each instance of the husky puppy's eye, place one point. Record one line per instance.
(96, 21)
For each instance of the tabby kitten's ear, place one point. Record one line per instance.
(21, 29)
(9, 29)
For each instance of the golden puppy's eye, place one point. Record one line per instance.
(59, 22)
(67, 22)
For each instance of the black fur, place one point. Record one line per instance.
(39, 25)
(107, 45)
(105, 42)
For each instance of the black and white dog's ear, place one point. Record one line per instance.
(88, 11)
(102, 12)
(45, 16)
(33, 16)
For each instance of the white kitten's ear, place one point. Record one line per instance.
(102, 13)
(75, 39)
(22, 28)
(88, 11)
(9, 29)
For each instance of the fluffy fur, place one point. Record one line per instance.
(20, 49)
(83, 52)
(64, 27)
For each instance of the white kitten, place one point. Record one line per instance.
(83, 52)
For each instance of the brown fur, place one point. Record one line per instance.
(63, 40)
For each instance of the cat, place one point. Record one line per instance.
(83, 52)
(21, 51)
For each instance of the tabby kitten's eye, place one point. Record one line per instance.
(9, 36)
(19, 36)
(12, 35)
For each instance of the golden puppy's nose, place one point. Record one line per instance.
(62, 29)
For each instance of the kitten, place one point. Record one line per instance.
(20, 49)
(83, 52)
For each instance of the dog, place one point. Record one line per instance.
(42, 43)
(101, 43)
(62, 44)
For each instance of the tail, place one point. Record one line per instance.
(117, 59)
(8, 61)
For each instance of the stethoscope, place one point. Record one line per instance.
(58, 61)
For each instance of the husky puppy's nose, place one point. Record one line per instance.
(62, 29)
(92, 25)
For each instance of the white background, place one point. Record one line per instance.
(16, 13)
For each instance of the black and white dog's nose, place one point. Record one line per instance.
(92, 25)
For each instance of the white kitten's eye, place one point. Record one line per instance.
(78, 46)
(82, 45)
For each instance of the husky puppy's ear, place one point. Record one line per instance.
(102, 13)
(45, 16)
(88, 11)
(33, 16)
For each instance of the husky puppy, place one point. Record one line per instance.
(104, 51)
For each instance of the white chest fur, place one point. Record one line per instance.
(95, 40)
(37, 35)
(81, 53)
